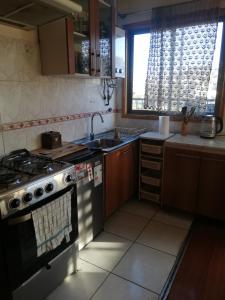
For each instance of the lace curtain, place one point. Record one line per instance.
(180, 58)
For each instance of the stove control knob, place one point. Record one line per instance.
(15, 203)
(68, 178)
(27, 197)
(49, 188)
(39, 192)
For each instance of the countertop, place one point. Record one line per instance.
(152, 135)
(216, 145)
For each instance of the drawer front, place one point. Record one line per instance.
(153, 165)
(150, 196)
(151, 180)
(152, 149)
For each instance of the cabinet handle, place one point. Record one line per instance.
(98, 62)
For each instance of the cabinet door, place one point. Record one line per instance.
(83, 37)
(126, 172)
(112, 182)
(121, 169)
(180, 178)
(211, 200)
(56, 46)
(105, 34)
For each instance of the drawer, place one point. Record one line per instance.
(152, 149)
(150, 196)
(149, 164)
(151, 180)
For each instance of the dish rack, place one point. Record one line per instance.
(151, 169)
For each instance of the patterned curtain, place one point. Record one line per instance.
(180, 58)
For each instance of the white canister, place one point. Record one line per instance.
(164, 125)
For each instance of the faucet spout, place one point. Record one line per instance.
(92, 136)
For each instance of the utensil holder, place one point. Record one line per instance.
(184, 128)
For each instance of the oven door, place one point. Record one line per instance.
(20, 248)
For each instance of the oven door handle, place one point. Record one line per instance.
(27, 217)
(19, 220)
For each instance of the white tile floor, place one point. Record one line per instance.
(131, 260)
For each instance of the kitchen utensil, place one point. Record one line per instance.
(211, 126)
(186, 118)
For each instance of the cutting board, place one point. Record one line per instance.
(66, 149)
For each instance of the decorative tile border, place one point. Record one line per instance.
(53, 120)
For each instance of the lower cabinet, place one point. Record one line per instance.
(120, 177)
(211, 196)
(194, 182)
(180, 180)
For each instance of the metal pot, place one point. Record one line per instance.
(210, 126)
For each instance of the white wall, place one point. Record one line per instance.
(27, 95)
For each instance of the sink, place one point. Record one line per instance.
(103, 143)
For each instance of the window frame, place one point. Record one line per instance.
(127, 111)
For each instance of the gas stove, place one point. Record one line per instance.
(26, 179)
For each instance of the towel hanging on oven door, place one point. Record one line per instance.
(52, 224)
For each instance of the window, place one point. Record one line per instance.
(139, 44)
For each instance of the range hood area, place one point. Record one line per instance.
(28, 14)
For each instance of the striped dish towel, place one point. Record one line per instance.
(52, 223)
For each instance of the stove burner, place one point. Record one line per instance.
(21, 167)
(25, 162)
(8, 177)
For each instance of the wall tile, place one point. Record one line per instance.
(27, 95)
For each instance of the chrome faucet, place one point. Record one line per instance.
(92, 136)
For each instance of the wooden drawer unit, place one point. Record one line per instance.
(150, 196)
(151, 149)
(151, 180)
(151, 165)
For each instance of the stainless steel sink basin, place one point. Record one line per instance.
(103, 143)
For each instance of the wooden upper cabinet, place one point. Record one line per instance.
(180, 178)
(55, 46)
(82, 44)
(105, 39)
(211, 197)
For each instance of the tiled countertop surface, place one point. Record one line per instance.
(216, 145)
(152, 135)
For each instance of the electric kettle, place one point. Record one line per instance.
(210, 126)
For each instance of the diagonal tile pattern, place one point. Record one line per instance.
(145, 266)
(105, 251)
(163, 237)
(82, 285)
(122, 289)
(132, 259)
(126, 225)
(140, 208)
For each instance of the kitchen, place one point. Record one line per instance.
(130, 166)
